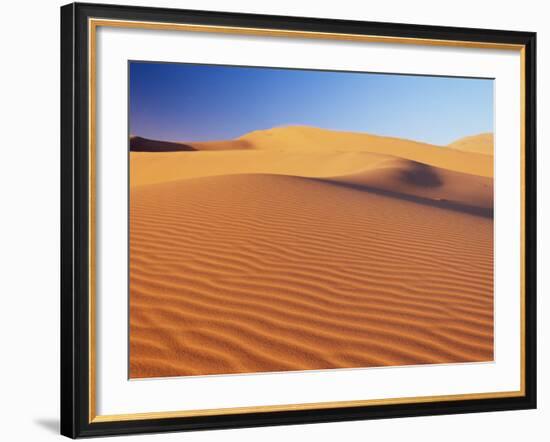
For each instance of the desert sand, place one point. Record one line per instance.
(299, 248)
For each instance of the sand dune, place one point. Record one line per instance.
(311, 139)
(299, 248)
(301, 274)
(482, 143)
(298, 151)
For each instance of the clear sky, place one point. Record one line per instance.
(188, 102)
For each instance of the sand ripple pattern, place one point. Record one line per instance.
(264, 273)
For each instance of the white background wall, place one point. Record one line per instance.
(29, 220)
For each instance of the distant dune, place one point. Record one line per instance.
(300, 248)
(482, 143)
(313, 153)
(140, 144)
(311, 139)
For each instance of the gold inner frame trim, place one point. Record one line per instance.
(291, 407)
(298, 34)
(93, 24)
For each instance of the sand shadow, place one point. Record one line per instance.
(485, 212)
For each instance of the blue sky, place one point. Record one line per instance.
(188, 102)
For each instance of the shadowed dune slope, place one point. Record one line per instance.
(252, 273)
(402, 178)
(140, 144)
(482, 143)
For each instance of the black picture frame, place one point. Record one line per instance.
(75, 219)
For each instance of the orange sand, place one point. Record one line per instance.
(316, 253)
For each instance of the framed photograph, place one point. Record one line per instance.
(274, 220)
